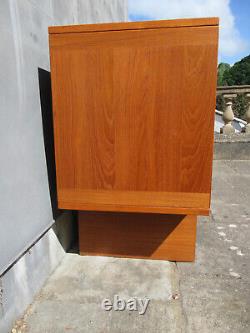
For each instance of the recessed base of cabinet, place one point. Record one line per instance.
(138, 235)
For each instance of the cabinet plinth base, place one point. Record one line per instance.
(138, 235)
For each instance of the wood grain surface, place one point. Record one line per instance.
(190, 22)
(153, 236)
(135, 201)
(134, 111)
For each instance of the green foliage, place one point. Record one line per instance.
(239, 106)
(220, 103)
(238, 74)
(220, 72)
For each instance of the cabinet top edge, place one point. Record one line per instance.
(105, 27)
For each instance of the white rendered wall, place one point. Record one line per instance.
(25, 205)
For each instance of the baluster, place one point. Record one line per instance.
(228, 115)
(247, 115)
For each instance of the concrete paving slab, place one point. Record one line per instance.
(216, 288)
(71, 300)
(210, 295)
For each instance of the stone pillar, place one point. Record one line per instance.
(228, 114)
(247, 115)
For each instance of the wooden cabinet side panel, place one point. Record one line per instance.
(134, 111)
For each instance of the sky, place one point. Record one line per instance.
(234, 40)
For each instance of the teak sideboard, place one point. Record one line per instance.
(133, 108)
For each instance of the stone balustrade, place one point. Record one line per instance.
(229, 93)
